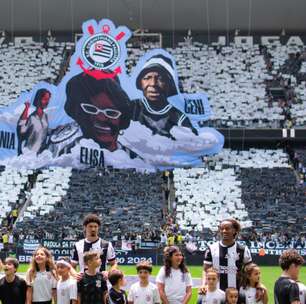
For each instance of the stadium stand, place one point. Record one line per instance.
(62, 197)
(258, 187)
(239, 81)
(24, 65)
(14, 184)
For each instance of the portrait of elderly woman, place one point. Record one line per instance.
(100, 107)
(156, 80)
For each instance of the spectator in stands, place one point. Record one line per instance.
(227, 256)
(92, 241)
(32, 130)
(174, 280)
(157, 82)
(100, 107)
(286, 290)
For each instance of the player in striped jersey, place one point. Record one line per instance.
(227, 256)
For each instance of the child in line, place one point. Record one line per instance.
(41, 278)
(92, 287)
(143, 291)
(13, 289)
(66, 291)
(286, 290)
(231, 295)
(213, 295)
(174, 280)
(251, 284)
(116, 294)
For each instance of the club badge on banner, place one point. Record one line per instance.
(99, 115)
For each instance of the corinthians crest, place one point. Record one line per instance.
(102, 49)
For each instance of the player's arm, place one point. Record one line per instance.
(111, 257)
(74, 258)
(187, 295)
(161, 290)
(247, 257)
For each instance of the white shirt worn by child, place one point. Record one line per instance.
(250, 295)
(42, 286)
(213, 297)
(144, 295)
(175, 284)
(66, 291)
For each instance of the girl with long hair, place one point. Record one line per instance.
(174, 280)
(252, 289)
(41, 278)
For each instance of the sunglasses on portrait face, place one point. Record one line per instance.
(91, 109)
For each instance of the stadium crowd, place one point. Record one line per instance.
(229, 275)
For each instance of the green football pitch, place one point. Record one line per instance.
(268, 276)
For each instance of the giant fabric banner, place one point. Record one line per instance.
(99, 115)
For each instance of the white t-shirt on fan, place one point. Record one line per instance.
(215, 297)
(42, 286)
(66, 291)
(144, 295)
(175, 284)
(250, 295)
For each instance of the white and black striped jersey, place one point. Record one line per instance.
(228, 261)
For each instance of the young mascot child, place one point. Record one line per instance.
(13, 289)
(250, 285)
(213, 295)
(92, 287)
(66, 291)
(174, 280)
(116, 294)
(41, 277)
(231, 295)
(143, 291)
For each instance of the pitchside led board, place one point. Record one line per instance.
(101, 116)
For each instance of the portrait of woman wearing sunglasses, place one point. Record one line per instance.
(100, 107)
